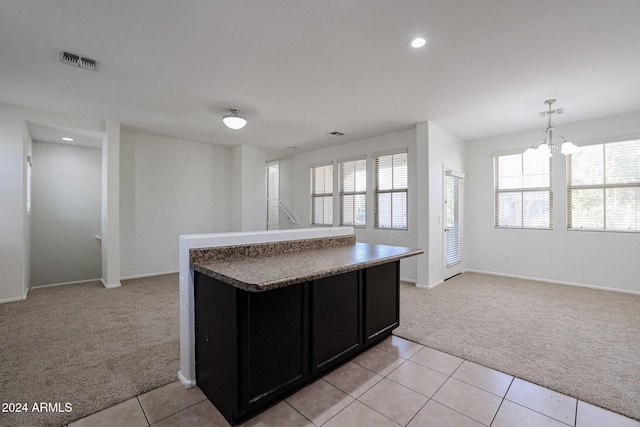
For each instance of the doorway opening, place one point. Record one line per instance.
(273, 196)
(65, 206)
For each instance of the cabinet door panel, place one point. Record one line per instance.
(336, 317)
(274, 341)
(381, 295)
(216, 349)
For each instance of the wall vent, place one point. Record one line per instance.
(79, 61)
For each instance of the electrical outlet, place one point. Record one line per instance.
(507, 258)
(174, 255)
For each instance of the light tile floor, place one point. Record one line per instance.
(396, 383)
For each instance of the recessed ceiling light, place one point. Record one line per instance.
(418, 42)
(67, 139)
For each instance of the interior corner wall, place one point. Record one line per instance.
(168, 187)
(12, 243)
(422, 204)
(445, 151)
(248, 199)
(28, 153)
(298, 177)
(599, 259)
(110, 229)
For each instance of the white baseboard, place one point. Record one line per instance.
(66, 283)
(403, 279)
(140, 276)
(433, 285)
(110, 286)
(557, 282)
(185, 382)
(13, 299)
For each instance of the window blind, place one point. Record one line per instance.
(322, 194)
(391, 189)
(353, 189)
(603, 187)
(452, 200)
(523, 192)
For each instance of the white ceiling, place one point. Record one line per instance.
(82, 137)
(300, 69)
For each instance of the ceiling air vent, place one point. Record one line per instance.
(79, 61)
(336, 133)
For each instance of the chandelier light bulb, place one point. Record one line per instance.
(568, 148)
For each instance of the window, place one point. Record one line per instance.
(391, 191)
(353, 190)
(603, 187)
(322, 194)
(523, 194)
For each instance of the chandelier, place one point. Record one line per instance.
(547, 146)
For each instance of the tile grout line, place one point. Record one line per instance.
(540, 413)
(301, 414)
(449, 377)
(502, 400)
(177, 412)
(143, 412)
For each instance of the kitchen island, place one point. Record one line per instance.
(271, 317)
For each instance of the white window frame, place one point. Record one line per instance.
(523, 190)
(326, 196)
(605, 186)
(362, 192)
(394, 190)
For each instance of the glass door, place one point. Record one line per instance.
(453, 223)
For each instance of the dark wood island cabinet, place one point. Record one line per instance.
(258, 341)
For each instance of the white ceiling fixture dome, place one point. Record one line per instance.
(234, 121)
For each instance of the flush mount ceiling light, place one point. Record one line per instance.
(547, 146)
(418, 42)
(67, 139)
(234, 121)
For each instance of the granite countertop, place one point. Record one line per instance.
(276, 270)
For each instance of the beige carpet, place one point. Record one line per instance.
(88, 346)
(94, 347)
(578, 341)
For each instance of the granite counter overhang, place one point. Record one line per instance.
(261, 273)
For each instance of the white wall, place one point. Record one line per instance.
(110, 230)
(27, 224)
(294, 171)
(600, 259)
(168, 187)
(12, 243)
(445, 151)
(248, 200)
(66, 212)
